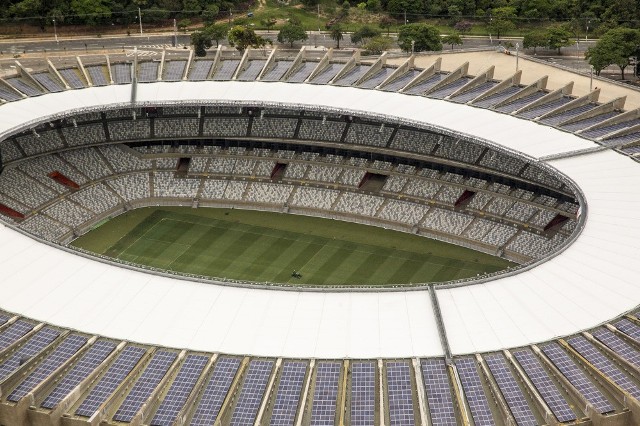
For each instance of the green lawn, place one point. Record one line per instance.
(262, 246)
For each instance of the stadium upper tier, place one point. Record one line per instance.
(486, 352)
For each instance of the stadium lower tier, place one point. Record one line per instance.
(53, 376)
(60, 196)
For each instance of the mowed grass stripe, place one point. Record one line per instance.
(264, 246)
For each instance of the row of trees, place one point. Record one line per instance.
(413, 37)
(499, 16)
(619, 46)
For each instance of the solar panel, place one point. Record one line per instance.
(363, 382)
(327, 74)
(48, 82)
(439, 399)
(510, 390)
(52, 362)
(577, 377)
(604, 364)
(377, 78)
(278, 71)
(25, 88)
(302, 73)
(121, 73)
(399, 394)
(180, 390)
(97, 75)
(72, 78)
(14, 332)
(121, 367)
(545, 386)
(200, 70)
(226, 70)
(4, 319)
(174, 70)
(145, 385)
(288, 393)
(399, 82)
(353, 75)
(474, 391)
(627, 327)
(87, 364)
(325, 393)
(148, 71)
(216, 391)
(32, 347)
(618, 345)
(251, 393)
(251, 72)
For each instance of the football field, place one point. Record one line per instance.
(263, 246)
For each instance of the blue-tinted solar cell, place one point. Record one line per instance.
(145, 385)
(52, 362)
(14, 332)
(510, 390)
(543, 383)
(399, 394)
(32, 347)
(363, 389)
(121, 367)
(216, 391)
(577, 377)
(180, 390)
(629, 328)
(87, 364)
(73, 80)
(4, 319)
(439, 399)
(325, 393)
(251, 393)
(619, 346)
(97, 75)
(288, 393)
(604, 364)
(474, 391)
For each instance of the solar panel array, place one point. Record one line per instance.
(148, 71)
(325, 393)
(399, 82)
(121, 73)
(24, 87)
(36, 343)
(363, 393)
(48, 82)
(252, 71)
(619, 346)
(438, 390)
(115, 375)
(545, 386)
(510, 390)
(327, 74)
(474, 392)
(71, 78)
(14, 332)
(302, 73)
(251, 393)
(630, 329)
(277, 72)
(577, 377)
(180, 390)
(4, 319)
(216, 391)
(51, 363)
(145, 385)
(399, 395)
(200, 70)
(9, 95)
(288, 393)
(353, 75)
(174, 70)
(96, 73)
(85, 366)
(377, 78)
(604, 364)
(226, 70)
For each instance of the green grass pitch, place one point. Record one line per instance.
(263, 246)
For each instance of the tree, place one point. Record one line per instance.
(291, 33)
(534, 39)
(242, 37)
(183, 24)
(501, 20)
(452, 39)
(425, 37)
(91, 12)
(378, 44)
(216, 32)
(614, 47)
(210, 12)
(398, 8)
(268, 23)
(337, 34)
(557, 37)
(201, 41)
(463, 26)
(386, 22)
(363, 34)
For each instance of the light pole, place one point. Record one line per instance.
(413, 46)
(517, 55)
(140, 20)
(591, 80)
(586, 34)
(55, 29)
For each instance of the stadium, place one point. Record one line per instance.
(525, 312)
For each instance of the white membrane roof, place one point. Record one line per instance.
(592, 281)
